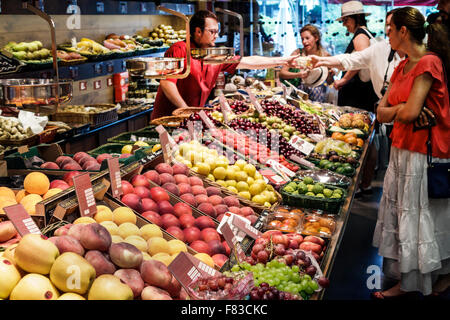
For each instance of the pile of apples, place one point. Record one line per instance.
(241, 178)
(82, 262)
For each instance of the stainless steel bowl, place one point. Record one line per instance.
(38, 92)
(155, 67)
(214, 55)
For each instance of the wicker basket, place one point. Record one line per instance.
(186, 112)
(94, 119)
(308, 202)
(30, 141)
(169, 121)
(48, 135)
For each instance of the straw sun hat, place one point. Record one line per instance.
(350, 8)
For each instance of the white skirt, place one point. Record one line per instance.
(412, 231)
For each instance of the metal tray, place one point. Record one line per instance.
(151, 67)
(214, 55)
(36, 92)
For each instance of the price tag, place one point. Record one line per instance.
(271, 177)
(321, 125)
(225, 107)
(280, 169)
(334, 114)
(85, 195)
(191, 129)
(246, 227)
(301, 145)
(21, 220)
(207, 120)
(97, 84)
(115, 178)
(73, 42)
(254, 101)
(302, 161)
(232, 242)
(227, 219)
(83, 85)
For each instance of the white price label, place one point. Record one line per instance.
(301, 145)
(281, 169)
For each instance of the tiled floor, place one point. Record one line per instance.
(350, 276)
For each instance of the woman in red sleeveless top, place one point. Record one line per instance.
(413, 231)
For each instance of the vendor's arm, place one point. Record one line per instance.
(170, 90)
(409, 111)
(258, 62)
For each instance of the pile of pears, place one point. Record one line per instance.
(30, 52)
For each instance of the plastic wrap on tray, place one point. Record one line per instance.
(222, 287)
(285, 219)
(316, 224)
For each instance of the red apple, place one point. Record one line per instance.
(191, 234)
(142, 192)
(176, 232)
(204, 222)
(159, 194)
(187, 220)
(195, 181)
(201, 198)
(50, 165)
(164, 168)
(189, 198)
(216, 247)
(153, 217)
(77, 156)
(209, 234)
(181, 208)
(127, 187)
(227, 248)
(165, 207)
(169, 220)
(133, 201)
(181, 178)
(184, 188)
(103, 156)
(200, 246)
(140, 180)
(153, 175)
(60, 184)
(149, 205)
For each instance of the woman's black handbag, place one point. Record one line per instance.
(438, 175)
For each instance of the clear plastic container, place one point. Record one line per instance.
(315, 224)
(285, 219)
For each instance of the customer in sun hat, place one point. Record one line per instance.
(354, 91)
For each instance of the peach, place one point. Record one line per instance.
(85, 159)
(209, 234)
(103, 214)
(200, 246)
(219, 259)
(184, 188)
(215, 200)
(153, 217)
(159, 194)
(142, 192)
(220, 209)
(138, 242)
(125, 255)
(149, 205)
(49, 165)
(127, 229)
(102, 157)
(174, 288)
(166, 178)
(154, 293)
(94, 236)
(71, 166)
(196, 190)
(201, 198)
(176, 246)
(79, 155)
(186, 220)
(176, 232)
(180, 168)
(235, 210)
(181, 178)
(216, 247)
(153, 175)
(131, 278)
(150, 230)
(181, 208)
(60, 184)
(68, 244)
(127, 187)
(165, 207)
(204, 222)
(189, 198)
(112, 228)
(213, 191)
(164, 168)
(207, 208)
(92, 166)
(68, 177)
(75, 231)
(155, 273)
(140, 180)
(100, 262)
(247, 211)
(195, 181)
(191, 234)
(122, 215)
(172, 188)
(169, 220)
(61, 159)
(231, 201)
(156, 245)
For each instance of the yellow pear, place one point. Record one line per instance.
(109, 287)
(71, 296)
(72, 273)
(35, 254)
(34, 287)
(9, 277)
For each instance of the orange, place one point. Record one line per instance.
(351, 140)
(337, 136)
(37, 183)
(22, 193)
(359, 142)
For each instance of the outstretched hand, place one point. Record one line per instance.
(290, 62)
(317, 61)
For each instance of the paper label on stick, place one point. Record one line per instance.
(206, 120)
(280, 169)
(227, 219)
(301, 145)
(85, 195)
(191, 129)
(166, 147)
(115, 178)
(232, 242)
(225, 107)
(254, 101)
(302, 161)
(21, 220)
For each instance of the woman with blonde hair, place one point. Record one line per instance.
(311, 40)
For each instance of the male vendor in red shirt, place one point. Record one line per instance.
(194, 90)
